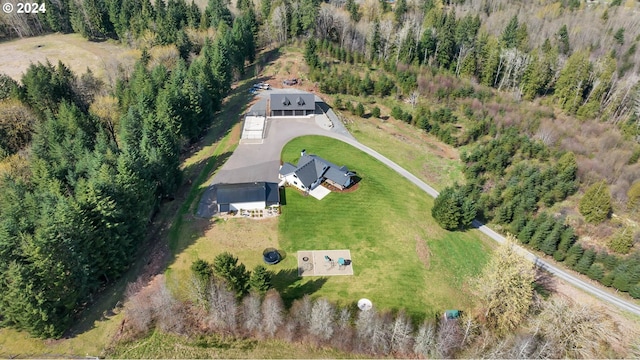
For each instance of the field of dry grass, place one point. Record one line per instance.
(103, 58)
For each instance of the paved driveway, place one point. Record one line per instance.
(253, 162)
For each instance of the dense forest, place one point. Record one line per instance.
(86, 167)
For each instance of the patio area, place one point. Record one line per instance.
(320, 192)
(324, 263)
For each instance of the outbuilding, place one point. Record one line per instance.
(292, 104)
(247, 196)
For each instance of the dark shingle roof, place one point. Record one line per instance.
(307, 172)
(287, 168)
(293, 102)
(247, 192)
(338, 176)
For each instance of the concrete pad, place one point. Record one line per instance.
(253, 127)
(315, 263)
(320, 192)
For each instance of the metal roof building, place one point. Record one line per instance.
(246, 196)
(292, 104)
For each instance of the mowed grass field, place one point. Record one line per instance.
(103, 58)
(401, 257)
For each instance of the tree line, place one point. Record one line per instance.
(512, 319)
(89, 169)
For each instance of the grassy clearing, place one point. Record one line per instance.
(435, 163)
(381, 223)
(103, 58)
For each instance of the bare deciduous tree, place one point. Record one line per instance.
(272, 313)
(401, 334)
(425, 340)
(343, 332)
(251, 315)
(449, 338)
(222, 308)
(577, 330)
(322, 319)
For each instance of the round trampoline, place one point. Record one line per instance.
(271, 256)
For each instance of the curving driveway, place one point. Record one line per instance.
(260, 162)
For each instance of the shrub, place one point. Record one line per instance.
(634, 291)
(260, 279)
(359, 110)
(338, 103)
(621, 281)
(397, 112)
(595, 205)
(596, 272)
(203, 270)
(375, 112)
(622, 241)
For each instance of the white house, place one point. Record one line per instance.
(246, 196)
(312, 170)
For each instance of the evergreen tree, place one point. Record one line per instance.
(400, 10)
(596, 272)
(563, 43)
(446, 209)
(260, 279)
(226, 267)
(353, 10)
(585, 261)
(203, 270)
(376, 41)
(595, 204)
(573, 82)
(622, 240)
(510, 34)
(619, 36)
(310, 54)
(217, 12)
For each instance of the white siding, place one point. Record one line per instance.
(247, 206)
(293, 180)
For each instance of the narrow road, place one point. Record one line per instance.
(564, 275)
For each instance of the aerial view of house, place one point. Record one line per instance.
(470, 186)
(312, 170)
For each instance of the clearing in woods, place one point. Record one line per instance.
(103, 58)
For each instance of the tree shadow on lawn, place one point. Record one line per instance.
(291, 286)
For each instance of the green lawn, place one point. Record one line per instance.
(381, 223)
